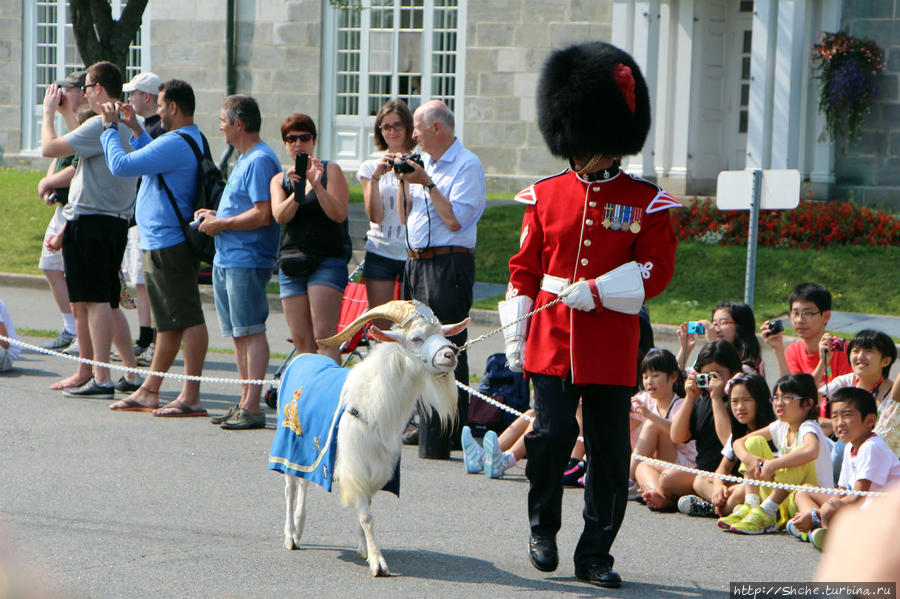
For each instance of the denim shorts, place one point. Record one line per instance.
(379, 268)
(331, 272)
(241, 301)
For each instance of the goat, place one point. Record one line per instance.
(376, 399)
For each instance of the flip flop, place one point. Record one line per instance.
(183, 411)
(57, 386)
(132, 405)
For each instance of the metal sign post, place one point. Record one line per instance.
(752, 234)
(754, 190)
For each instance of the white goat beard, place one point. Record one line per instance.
(384, 388)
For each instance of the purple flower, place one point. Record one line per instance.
(850, 84)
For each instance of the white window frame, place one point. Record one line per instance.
(32, 96)
(330, 121)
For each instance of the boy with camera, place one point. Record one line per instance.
(816, 352)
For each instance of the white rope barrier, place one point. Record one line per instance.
(475, 392)
(695, 471)
(140, 371)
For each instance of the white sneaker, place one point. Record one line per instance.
(72, 350)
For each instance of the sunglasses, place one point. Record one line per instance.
(85, 87)
(304, 137)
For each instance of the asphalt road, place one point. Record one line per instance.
(102, 504)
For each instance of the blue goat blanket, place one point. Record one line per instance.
(309, 410)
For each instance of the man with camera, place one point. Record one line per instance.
(600, 241)
(96, 230)
(169, 264)
(54, 190)
(441, 232)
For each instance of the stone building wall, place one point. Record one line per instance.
(868, 171)
(506, 44)
(10, 81)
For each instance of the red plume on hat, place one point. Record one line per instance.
(592, 99)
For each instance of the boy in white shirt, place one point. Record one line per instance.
(869, 465)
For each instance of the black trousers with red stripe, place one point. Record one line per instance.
(605, 418)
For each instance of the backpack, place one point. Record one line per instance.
(503, 385)
(210, 187)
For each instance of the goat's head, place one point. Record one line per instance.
(417, 331)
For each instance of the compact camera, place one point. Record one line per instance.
(403, 167)
(695, 328)
(838, 344)
(703, 381)
(774, 326)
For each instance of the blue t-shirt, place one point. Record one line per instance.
(171, 156)
(247, 184)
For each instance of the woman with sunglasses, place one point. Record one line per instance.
(312, 263)
(386, 238)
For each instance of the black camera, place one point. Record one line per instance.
(703, 381)
(774, 326)
(402, 165)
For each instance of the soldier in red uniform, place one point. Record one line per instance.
(601, 241)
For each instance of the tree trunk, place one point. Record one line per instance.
(100, 37)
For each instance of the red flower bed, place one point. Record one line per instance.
(811, 225)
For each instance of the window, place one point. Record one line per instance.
(389, 51)
(50, 54)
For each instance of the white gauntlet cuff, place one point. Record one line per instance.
(513, 310)
(622, 289)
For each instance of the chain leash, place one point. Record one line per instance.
(500, 328)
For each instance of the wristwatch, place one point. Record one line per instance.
(110, 126)
(429, 187)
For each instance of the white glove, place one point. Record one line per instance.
(510, 311)
(578, 296)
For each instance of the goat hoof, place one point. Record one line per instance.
(291, 544)
(363, 553)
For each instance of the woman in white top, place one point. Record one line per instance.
(383, 193)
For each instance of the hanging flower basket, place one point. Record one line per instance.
(846, 68)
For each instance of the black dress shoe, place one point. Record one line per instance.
(543, 553)
(599, 575)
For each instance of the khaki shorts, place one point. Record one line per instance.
(171, 277)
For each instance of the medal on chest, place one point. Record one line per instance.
(622, 218)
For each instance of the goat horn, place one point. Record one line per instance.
(397, 311)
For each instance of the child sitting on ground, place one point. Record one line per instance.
(703, 418)
(869, 465)
(732, 322)
(804, 458)
(750, 408)
(871, 354)
(655, 407)
(8, 351)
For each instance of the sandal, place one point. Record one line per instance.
(183, 411)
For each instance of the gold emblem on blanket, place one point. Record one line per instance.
(291, 419)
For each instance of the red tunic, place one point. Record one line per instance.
(563, 235)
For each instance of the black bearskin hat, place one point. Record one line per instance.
(592, 99)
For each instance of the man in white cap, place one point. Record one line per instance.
(142, 90)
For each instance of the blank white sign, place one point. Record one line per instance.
(780, 190)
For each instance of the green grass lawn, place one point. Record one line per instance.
(859, 277)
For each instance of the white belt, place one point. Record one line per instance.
(554, 285)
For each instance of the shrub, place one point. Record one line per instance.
(811, 225)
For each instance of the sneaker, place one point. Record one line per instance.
(62, 341)
(224, 417)
(114, 355)
(634, 491)
(817, 538)
(145, 357)
(691, 505)
(92, 390)
(242, 419)
(72, 350)
(756, 522)
(493, 457)
(126, 386)
(736, 516)
(792, 528)
(573, 472)
(473, 454)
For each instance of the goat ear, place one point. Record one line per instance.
(388, 336)
(452, 329)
